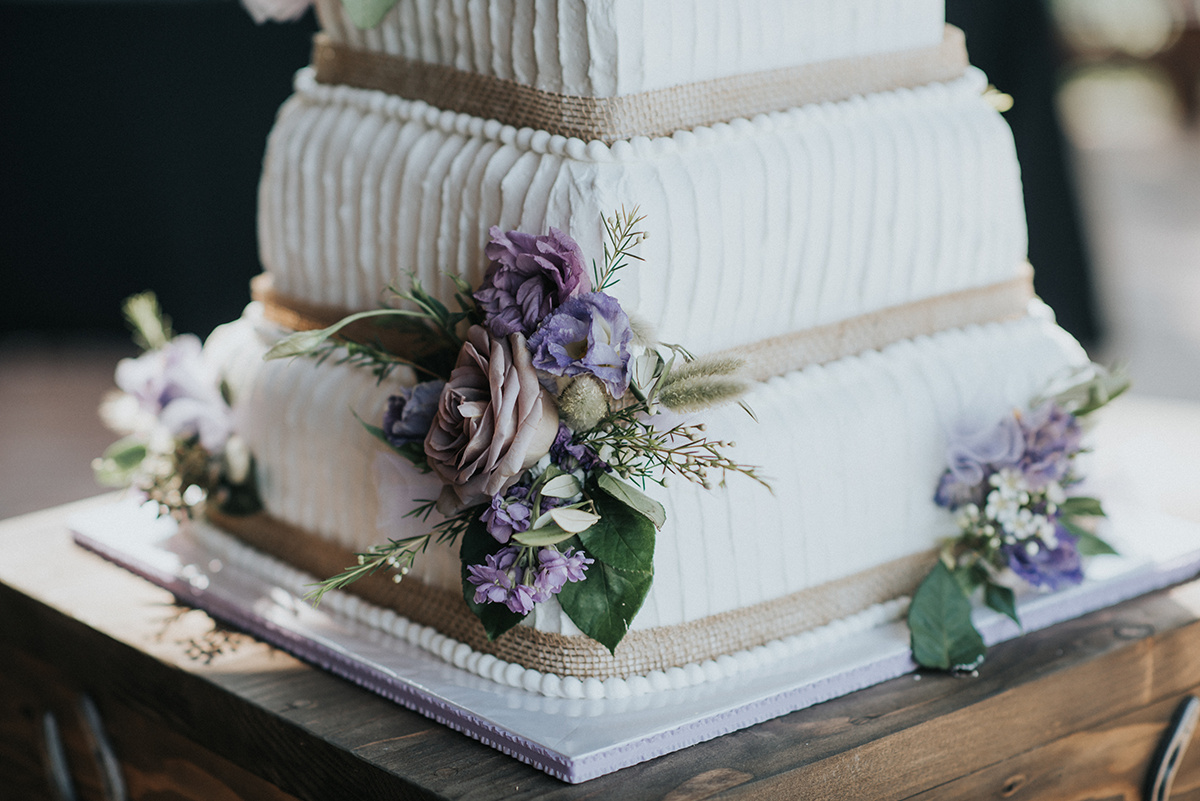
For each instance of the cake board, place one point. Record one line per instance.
(580, 739)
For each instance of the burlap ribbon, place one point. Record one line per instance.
(659, 112)
(1007, 300)
(639, 652)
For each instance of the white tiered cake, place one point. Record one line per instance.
(870, 231)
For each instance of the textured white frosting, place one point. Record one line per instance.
(769, 225)
(603, 48)
(853, 451)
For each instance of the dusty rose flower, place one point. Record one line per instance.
(528, 277)
(493, 419)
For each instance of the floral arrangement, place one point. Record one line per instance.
(544, 420)
(1010, 487)
(178, 448)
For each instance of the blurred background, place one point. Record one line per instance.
(133, 133)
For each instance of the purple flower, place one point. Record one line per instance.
(1047, 567)
(409, 414)
(973, 455)
(1052, 437)
(494, 580)
(587, 334)
(176, 385)
(508, 514)
(527, 278)
(570, 456)
(556, 569)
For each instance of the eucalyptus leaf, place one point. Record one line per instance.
(562, 486)
(1002, 600)
(1080, 506)
(367, 13)
(542, 537)
(623, 537)
(126, 453)
(574, 520)
(477, 544)
(634, 498)
(303, 342)
(605, 602)
(939, 621)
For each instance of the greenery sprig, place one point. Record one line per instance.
(622, 235)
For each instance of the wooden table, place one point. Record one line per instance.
(191, 710)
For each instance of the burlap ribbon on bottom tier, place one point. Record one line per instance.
(640, 652)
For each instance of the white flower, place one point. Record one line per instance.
(1011, 484)
(277, 10)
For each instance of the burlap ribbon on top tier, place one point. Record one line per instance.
(659, 112)
(671, 646)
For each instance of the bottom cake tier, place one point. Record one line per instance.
(852, 451)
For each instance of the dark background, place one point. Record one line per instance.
(132, 136)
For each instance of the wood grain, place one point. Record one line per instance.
(1075, 709)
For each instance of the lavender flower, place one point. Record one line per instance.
(175, 384)
(587, 334)
(504, 579)
(494, 580)
(528, 277)
(1052, 437)
(556, 569)
(973, 455)
(569, 456)
(410, 413)
(1047, 567)
(508, 514)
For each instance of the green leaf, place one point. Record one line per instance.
(126, 454)
(303, 342)
(412, 451)
(939, 620)
(634, 498)
(1002, 600)
(544, 536)
(1080, 506)
(476, 545)
(367, 13)
(971, 578)
(623, 537)
(604, 603)
(1089, 544)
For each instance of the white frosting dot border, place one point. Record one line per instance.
(461, 655)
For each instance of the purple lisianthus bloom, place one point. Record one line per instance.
(587, 334)
(528, 277)
(175, 384)
(1047, 567)
(410, 413)
(570, 456)
(494, 581)
(508, 514)
(1052, 437)
(974, 455)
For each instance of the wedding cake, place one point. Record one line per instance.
(830, 200)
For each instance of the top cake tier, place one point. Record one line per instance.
(610, 48)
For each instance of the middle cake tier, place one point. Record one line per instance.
(771, 225)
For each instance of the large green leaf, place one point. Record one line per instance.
(634, 498)
(367, 13)
(604, 603)
(623, 538)
(939, 621)
(477, 545)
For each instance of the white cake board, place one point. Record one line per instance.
(577, 740)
